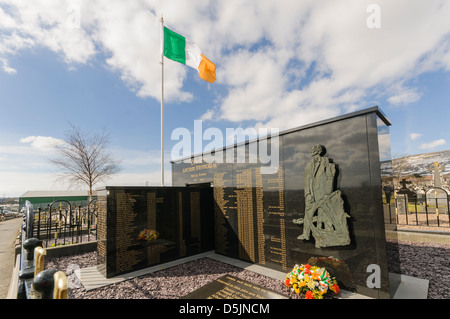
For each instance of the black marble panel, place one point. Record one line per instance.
(349, 144)
(181, 215)
(255, 207)
(231, 287)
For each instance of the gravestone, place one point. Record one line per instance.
(402, 203)
(437, 198)
(436, 168)
(388, 191)
(404, 190)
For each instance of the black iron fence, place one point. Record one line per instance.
(33, 281)
(430, 209)
(63, 223)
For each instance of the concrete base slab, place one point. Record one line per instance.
(429, 237)
(407, 287)
(402, 287)
(343, 294)
(91, 278)
(249, 266)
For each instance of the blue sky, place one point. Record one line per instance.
(280, 64)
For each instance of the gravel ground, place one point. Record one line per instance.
(425, 261)
(170, 283)
(68, 240)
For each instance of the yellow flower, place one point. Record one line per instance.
(296, 288)
(317, 295)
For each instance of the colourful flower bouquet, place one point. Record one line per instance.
(148, 235)
(311, 281)
(336, 267)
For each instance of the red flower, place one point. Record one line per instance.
(309, 295)
(307, 269)
(335, 288)
(287, 282)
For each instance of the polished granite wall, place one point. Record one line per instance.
(254, 211)
(181, 215)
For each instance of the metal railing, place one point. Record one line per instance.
(35, 282)
(60, 223)
(430, 210)
(63, 223)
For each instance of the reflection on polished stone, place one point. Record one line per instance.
(180, 215)
(254, 211)
(231, 287)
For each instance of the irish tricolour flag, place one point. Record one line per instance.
(177, 48)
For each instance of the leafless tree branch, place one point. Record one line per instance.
(84, 159)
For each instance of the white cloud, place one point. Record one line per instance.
(405, 97)
(152, 178)
(17, 183)
(339, 61)
(7, 68)
(23, 159)
(42, 143)
(25, 168)
(414, 136)
(252, 96)
(280, 63)
(42, 23)
(207, 116)
(131, 159)
(432, 144)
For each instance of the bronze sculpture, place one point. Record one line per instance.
(325, 217)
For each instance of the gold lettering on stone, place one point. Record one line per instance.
(125, 233)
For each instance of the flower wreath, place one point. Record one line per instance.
(311, 281)
(149, 235)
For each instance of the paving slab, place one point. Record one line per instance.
(408, 287)
(91, 278)
(402, 286)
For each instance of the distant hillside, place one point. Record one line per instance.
(418, 164)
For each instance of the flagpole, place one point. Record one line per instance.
(162, 105)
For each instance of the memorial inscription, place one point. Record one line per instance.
(276, 246)
(231, 287)
(181, 216)
(126, 258)
(255, 209)
(247, 210)
(101, 229)
(244, 207)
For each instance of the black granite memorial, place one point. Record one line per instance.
(140, 227)
(231, 287)
(254, 208)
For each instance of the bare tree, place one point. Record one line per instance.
(83, 159)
